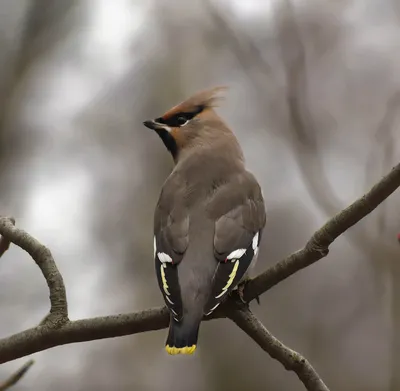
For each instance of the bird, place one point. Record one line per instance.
(209, 217)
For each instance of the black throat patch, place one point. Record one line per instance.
(169, 142)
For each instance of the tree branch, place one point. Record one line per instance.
(16, 376)
(291, 360)
(58, 330)
(43, 337)
(43, 258)
(318, 246)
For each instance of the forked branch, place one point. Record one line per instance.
(57, 329)
(291, 360)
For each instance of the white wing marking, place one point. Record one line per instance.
(164, 258)
(255, 241)
(212, 309)
(236, 254)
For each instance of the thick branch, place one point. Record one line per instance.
(291, 360)
(318, 246)
(43, 258)
(44, 337)
(16, 376)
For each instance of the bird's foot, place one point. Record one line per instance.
(240, 292)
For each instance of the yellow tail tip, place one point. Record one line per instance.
(185, 350)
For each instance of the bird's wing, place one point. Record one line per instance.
(171, 238)
(236, 241)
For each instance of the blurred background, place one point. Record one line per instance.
(314, 100)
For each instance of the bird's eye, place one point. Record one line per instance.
(182, 121)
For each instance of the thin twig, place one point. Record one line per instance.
(43, 258)
(16, 376)
(318, 246)
(291, 360)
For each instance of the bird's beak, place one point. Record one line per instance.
(153, 125)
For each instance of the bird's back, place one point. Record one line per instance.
(206, 192)
(209, 218)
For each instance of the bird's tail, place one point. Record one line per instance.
(182, 336)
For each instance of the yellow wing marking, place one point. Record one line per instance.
(164, 280)
(231, 278)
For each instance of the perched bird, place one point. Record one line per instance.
(208, 220)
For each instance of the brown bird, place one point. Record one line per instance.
(208, 220)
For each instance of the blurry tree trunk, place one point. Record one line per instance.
(43, 23)
(40, 24)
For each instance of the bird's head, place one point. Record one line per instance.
(191, 123)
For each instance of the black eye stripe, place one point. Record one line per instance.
(177, 120)
(181, 118)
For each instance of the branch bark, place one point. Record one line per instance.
(291, 360)
(44, 337)
(42, 256)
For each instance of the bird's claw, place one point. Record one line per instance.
(240, 291)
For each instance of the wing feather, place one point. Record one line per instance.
(236, 241)
(171, 238)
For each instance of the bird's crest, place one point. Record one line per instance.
(198, 102)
